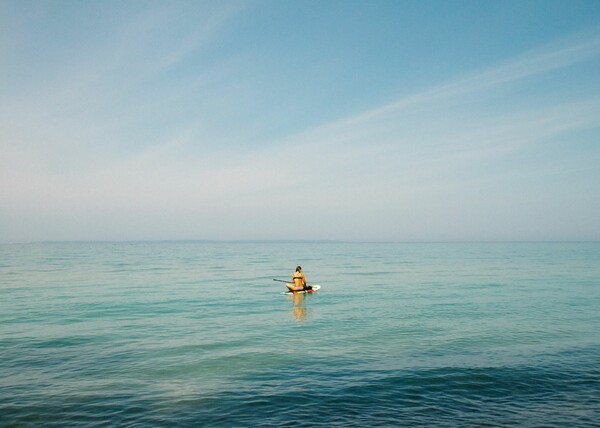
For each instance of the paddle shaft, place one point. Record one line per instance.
(281, 280)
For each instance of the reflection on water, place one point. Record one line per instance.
(298, 309)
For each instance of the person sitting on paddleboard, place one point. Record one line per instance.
(299, 281)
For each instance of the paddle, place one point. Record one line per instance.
(290, 282)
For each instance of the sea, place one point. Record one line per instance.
(197, 334)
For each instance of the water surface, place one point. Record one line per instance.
(195, 333)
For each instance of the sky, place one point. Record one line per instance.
(300, 120)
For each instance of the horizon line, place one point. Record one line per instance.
(299, 241)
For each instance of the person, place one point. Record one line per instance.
(299, 281)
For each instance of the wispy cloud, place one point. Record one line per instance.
(105, 96)
(551, 57)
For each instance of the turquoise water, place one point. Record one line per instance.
(197, 334)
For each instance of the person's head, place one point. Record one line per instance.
(298, 268)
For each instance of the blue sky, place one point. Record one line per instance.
(333, 120)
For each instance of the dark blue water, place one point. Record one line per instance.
(188, 334)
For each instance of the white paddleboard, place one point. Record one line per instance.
(314, 288)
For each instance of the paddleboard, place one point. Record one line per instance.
(314, 288)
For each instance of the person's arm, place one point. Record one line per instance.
(303, 280)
